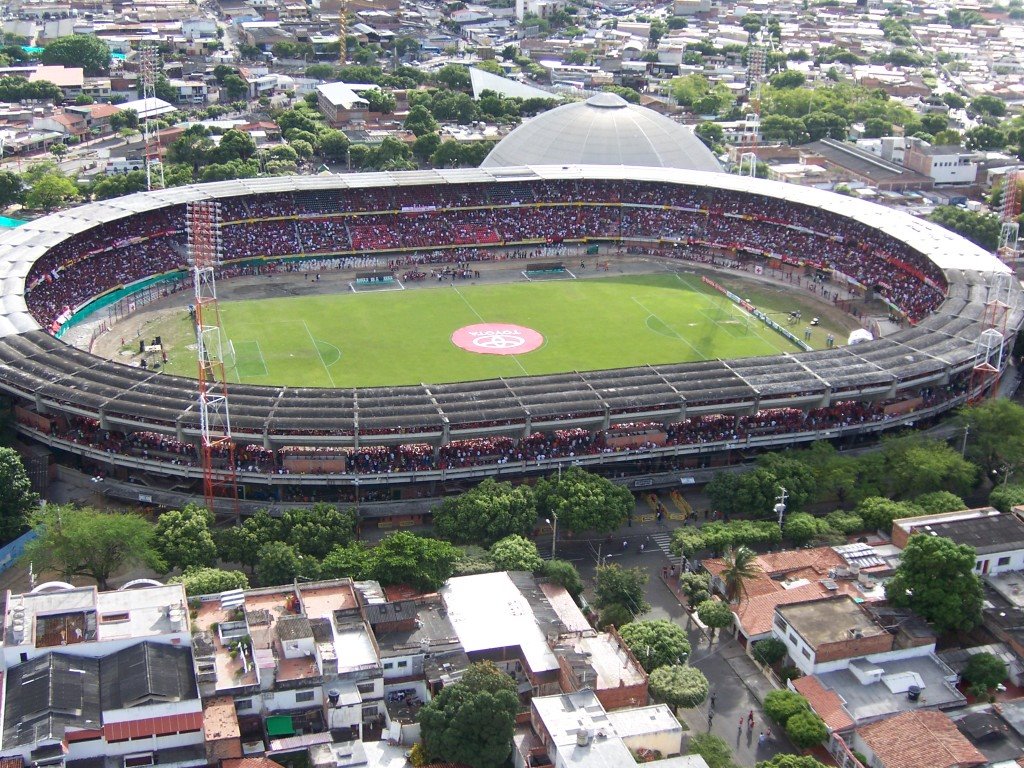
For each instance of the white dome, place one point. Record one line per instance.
(603, 130)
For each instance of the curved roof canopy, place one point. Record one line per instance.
(603, 130)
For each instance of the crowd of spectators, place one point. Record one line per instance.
(637, 438)
(430, 220)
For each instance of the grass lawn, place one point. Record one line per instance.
(404, 337)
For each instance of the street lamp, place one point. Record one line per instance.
(780, 507)
(554, 533)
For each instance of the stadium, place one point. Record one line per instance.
(959, 308)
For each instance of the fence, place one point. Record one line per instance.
(10, 553)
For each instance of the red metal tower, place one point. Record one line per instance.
(204, 250)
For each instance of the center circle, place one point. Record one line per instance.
(497, 339)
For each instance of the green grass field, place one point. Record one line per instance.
(404, 337)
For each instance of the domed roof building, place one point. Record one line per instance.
(603, 130)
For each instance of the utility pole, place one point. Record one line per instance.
(780, 507)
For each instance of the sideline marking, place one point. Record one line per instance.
(669, 327)
(317, 350)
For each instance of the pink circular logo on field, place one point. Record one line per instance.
(497, 339)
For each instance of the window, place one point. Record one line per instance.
(243, 704)
(806, 653)
(304, 696)
(389, 665)
(365, 687)
(1003, 561)
(403, 664)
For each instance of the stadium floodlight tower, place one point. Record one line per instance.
(205, 255)
(1010, 209)
(149, 60)
(748, 165)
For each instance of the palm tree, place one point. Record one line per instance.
(739, 568)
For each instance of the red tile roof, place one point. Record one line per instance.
(755, 614)
(827, 704)
(250, 762)
(153, 726)
(920, 739)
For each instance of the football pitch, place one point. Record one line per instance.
(395, 337)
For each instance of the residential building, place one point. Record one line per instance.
(916, 740)
(573, 729)
(944, 164)
(849, 163)
(824, 634)
(343, 103)
(91, 674)
(997, 539)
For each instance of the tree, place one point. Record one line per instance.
(980, 228)
(915, 465)
(989, 105)
(800, 528)
(425, 146)
(844, 523)
(280, 563)
(740, 567)
(769, 651)
(234, 145)
(453, 76)
(616, 585)
(319, 529)
(583, 501)
(937, 502)
(878, 513)
(712, 134)
(996, 429)
(785, 760)
(235, 87)
(80, 541)
(781, 705)
(242, 543)
(984, 137)
(715, 615)
(50, 192)
(791, 78)
(333, 146)
(472, 721)
(352, 561)
(678, 686)
(515, 553)
(936, 579)
(696, 587)
(1005, 497)
(984, 671)
(656, 643)
(86, 51)
(563, 573)
(379, 100)
(183, 539)
(614, 615)
(405, 558)
(420, 121)
(806, 729)
(11, 189)
(486, 513)
(210, 581)
(713, 749)
(876, 127)
(17, 498)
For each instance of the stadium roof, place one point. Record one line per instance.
(503, 86)
(605, 129)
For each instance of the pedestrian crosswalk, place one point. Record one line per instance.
(662, 540)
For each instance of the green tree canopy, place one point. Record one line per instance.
(17, 499)
(584, 501)
(453, 76)
(81, 541)
(280, 563)
(183, 538)
(472, 721)
(319, 529)
(740, 566)
(770, 651)
(210, 581)
(11, 189)
(784, 760)
(563, 573)
(656, 643)
(713, 749)
(86, 51)
(696, 587)
(420, 121)
(806, 729)
(51, 192)
(783, 704)
(678, 686)
(486, 513)
(616, 585)
(936, 579)
(878, 513)
(985, 671)
(800, 528)
(996, 434)
(980, 228)
(405, 558)
(242, 543)
(715, 615)
(515, 553)
(937, 502)
(352, 561)
(1005, 497)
